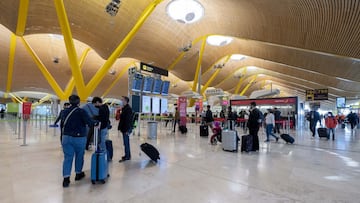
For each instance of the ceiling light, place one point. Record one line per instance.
(261, 75)
(218, 40)
(252, 68)
(185, 11)
(237, 57)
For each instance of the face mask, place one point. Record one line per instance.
(121, 103)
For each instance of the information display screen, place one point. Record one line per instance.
(155, 105)
(135, 103)
(148, 84)
(137, 82)
(340, 102)
(164, 105)
(146, 104)
(165, 87)
(157, 86)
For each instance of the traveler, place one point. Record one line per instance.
(253, 124)
(74, 121)
(176, 118)
(209, 117)
(231, 119)
(125, 126)
(313, 117)
(330, 123)
(103, 118)
(66, 105)
(277, 115)
(93, 112)
(270, 123)
(353, 119)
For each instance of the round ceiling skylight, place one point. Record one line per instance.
(185, 11)
(218, 40)
(237, 57)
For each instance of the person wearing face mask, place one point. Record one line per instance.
(93, 112)
(330, 123)
(125, 126)
(253, 124)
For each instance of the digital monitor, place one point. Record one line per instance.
(157, 86)
(340, 102)
(146, 104)
(135, 103)
(164, 105)
(148, 84)
(155, 105)
(137, 82)
(165, 87)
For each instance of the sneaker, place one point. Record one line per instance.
(66, 182)
(79, 176)
(124, 159)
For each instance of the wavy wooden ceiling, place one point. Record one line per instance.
(297, 44)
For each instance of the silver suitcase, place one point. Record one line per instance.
(230, 141)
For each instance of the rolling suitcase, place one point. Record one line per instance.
(230, 141)
(151, 151)
(99, 162)
(109, 149)
(287, 138)
(323, 133)
(246, 143)
(204, 130)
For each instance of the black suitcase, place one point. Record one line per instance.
(323, 133)
(151, 151)
(204, 130)
(246, 143)
(287, 138)
(343, 125)
(109, 149)
(183, 129)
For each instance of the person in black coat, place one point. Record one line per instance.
(125, 126)
(313, 118)
(253, 124)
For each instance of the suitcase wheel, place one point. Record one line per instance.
(93, 182)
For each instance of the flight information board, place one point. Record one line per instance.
(146, 104)
(165, 87)
(137, 82)
(157, 86)
(148, 84)
(155, 107)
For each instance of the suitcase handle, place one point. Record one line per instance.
(96, 136)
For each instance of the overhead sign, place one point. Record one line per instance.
(216, 91)
(317, 94)
(269, 101)
(153, 69)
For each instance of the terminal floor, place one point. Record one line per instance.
(190, 170)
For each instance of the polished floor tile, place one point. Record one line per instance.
(190, 170)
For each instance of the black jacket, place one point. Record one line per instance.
(253, 122)
(209, 116)
(125, 124)
(103, 116)
(76, 124)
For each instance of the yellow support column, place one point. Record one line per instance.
(201, 53)
(122, 72)
(248, 85)
(22, 16)
(100, 74)
(237, 89)
(49, 78)
(11, 62)
(70, 48)
(71, 84)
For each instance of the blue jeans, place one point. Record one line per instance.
(103, 134)
(127, 144)
(73, 146)
(269, 131)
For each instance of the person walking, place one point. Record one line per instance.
(66, 105)
(209, 119)
(253, 124)
(125, 126)
(269, 123)
(74, 121)
(353, 119)
(313, 118)
(330, 123)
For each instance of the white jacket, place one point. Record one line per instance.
(270, 119)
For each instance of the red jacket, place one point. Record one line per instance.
(330, 122)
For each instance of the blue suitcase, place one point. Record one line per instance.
(99, 162)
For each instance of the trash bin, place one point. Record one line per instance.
(152, 130)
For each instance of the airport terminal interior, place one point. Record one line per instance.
(176, 57)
